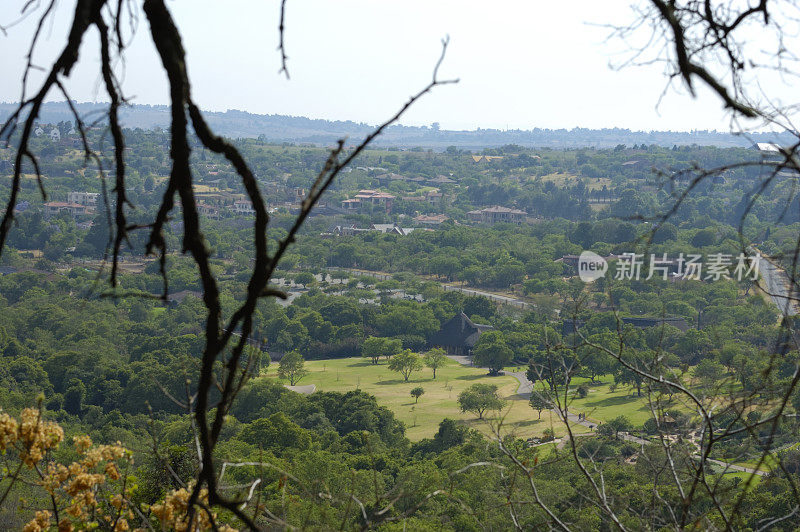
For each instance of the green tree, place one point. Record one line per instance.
(434, 359)
(291, 367)
(373, 348)
(704, 238)
(539, 402)
(277, 432)
(74, 397)
(391, 347)
(709, 372)
(479, 398)
(615, 426)
(405, 362)
(492, 352)
(417, 392)
(304, 279)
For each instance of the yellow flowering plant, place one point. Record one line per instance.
(92, 492)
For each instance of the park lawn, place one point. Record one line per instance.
(770, 463)
(745, 477)
(601, 404)
(439, 401)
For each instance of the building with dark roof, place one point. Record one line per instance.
(496, 215)
(458, 335)
(570, 326)
(175, 299)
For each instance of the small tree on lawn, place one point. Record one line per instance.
(539, 402)
(417, 392)
(405, 362)
(373, 348)
(291, 367)
(391, 347)
(479, 398)
(435, 358)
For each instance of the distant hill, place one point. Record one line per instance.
(298, 129)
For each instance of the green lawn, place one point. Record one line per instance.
(438, 402)
(602, 404)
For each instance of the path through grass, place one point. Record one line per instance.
(439, 401)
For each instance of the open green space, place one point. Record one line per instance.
(602, 403)
(439, 401)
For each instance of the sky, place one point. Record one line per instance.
(521, 64)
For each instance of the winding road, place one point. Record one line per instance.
(525, 388)
(778, 287)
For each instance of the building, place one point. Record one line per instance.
(768, 147)
(173, 300)
(434, 198)
(367, 200)
(385, 179)
(570, 326)
(436, 219)
(391, 229)
(383, 228)
(243, 207)
(207, 210)
(485, 158)
(53, 208)
(441, 180)
(342, 230)
(496, 215)
(87, 199)
(459, 335)
(295, 194)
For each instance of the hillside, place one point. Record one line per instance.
(298, 129)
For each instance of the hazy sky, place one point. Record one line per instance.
(522, 64)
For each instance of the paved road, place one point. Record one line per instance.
(305, 389)
(508, 300)
(525, 387)
(733, 467)
(777, 286)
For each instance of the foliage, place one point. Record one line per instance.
(375, 347)
(491, 351)
(539, 402)
(417, 392)
(434, 359)
(291, 367)
(405, 362)
(479, 398)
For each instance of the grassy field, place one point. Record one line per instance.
(602, 404)
(563, 178)
(440, 398)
